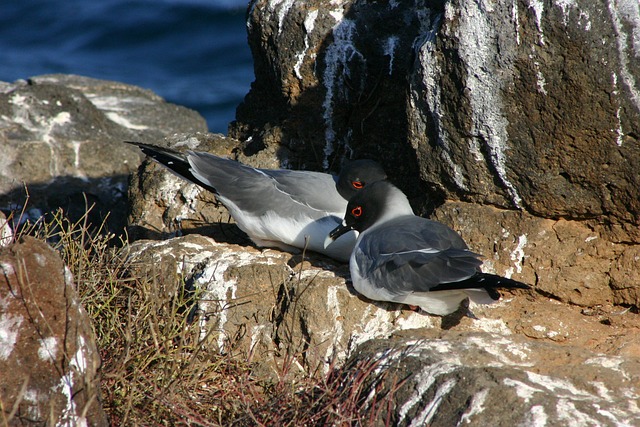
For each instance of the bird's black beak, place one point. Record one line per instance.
(337, 232)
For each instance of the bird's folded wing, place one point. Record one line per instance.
(411, 260)
(314, 189)
(258, 191)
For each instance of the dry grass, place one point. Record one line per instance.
(156, 369)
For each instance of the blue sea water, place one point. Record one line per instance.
(190, 52)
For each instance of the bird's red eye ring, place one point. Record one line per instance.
(357, 211)
(358, 185)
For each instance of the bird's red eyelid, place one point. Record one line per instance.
(357, 211)
(357, 184)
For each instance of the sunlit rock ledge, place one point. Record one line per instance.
(527, 359)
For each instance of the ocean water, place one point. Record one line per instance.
(191, 52)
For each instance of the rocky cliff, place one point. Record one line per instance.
(516, 123)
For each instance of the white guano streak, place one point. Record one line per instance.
(630, 10)
(337, 56)
(424, 380)
(478, 49)
(433, 95)
(220, 292)
(9, 330)
(538, 7)
(282, 11)
(309, 24)
(333, 304)
(389, 49)
(475, 407)
(426, 415)
(517, 256)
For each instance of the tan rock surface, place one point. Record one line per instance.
(528, 352)
(48, 356)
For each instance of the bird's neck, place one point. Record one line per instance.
(398, 209)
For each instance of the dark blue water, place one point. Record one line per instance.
(193, 53)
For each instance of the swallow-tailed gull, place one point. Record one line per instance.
(279, 208)
(403, 258)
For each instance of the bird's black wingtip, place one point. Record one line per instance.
(136, 143)
(147, 149)
(142, 145)
(163, 155)
(483, 280)
(505, 283)
(519, 285)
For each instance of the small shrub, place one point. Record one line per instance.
(156, 369)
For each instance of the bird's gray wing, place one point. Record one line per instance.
(257, 191)
(413, 254)
(320, 193)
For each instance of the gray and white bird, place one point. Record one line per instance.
(403, 258)
(279, 208)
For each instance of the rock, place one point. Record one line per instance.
(527, 360)
(484, 379)
(276, 306)
(623, 284)
(565, 259)
(267, 303)
(61, 135)
(6, 232)
(523, 136)
(238, 288)
(331, 81)
(518, 123)
(48, 356)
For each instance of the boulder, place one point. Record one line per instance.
(483, 379)
(518, 123)
(61, 138)
(260, 300)
(48, 355)
(524, 360)
(267, 303)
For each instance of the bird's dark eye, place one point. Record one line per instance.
(358, 185)
(357, 211)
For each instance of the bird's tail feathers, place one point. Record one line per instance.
(483, 281)
(487, 280)
(165, 156)
(173, 160)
